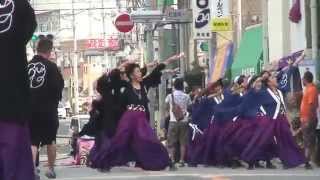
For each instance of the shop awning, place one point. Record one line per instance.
(248, 57)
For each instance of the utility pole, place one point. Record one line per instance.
(75, 63)
(184, 40)
(150, 58)
(162, 87)
(104, 33)
(314, 35)
(265, 31)
(239, 22)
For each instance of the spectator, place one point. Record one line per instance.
(308, 111)
(178, 129)
(317, 152)
(17, 25)
(46, 85)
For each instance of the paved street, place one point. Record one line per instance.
(201, 173)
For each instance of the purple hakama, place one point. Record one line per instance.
(235, 138)
(134, 141)
(195, 149)
(211, 144)
(15, 152)
(274, 138)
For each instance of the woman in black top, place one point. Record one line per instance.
(134, 139)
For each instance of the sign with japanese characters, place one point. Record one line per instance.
(202, 12)
(220, 8)
(221, 24)
(221, 20)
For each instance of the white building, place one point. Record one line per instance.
(93, 19)
(286, 37)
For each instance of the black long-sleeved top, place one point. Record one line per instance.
(17, 24)
(132, 96)
(46, 85)
(116, 95)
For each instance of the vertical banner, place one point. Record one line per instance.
(221, 20)
(222, 57)
(201, 18)
(220, 8)
(221, 60)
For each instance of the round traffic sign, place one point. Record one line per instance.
(124, 23)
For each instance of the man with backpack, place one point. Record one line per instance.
(178, 101)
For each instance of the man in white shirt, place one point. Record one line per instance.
(178, 130)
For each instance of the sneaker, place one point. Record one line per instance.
(270, 166)
(308, 166)
(50, 174)
(251, 166)
(172, 167)
(182, 164)
(258, 165)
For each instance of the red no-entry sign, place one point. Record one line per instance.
(124, 23)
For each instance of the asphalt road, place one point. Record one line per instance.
(201, 173)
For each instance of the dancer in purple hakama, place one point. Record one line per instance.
(227, 121)
(202, 143)
(134, 139)
(249, 116)
(17, 25)
(212, 134)
(277, 127)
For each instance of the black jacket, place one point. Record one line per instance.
(46, 85)
(15, 32)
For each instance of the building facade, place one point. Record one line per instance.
(286, 37)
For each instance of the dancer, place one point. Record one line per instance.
(203, 149)
(229, 123)
(198, 151)
(134, 139)
(288, 151)
(17, 26)
(249, 117)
